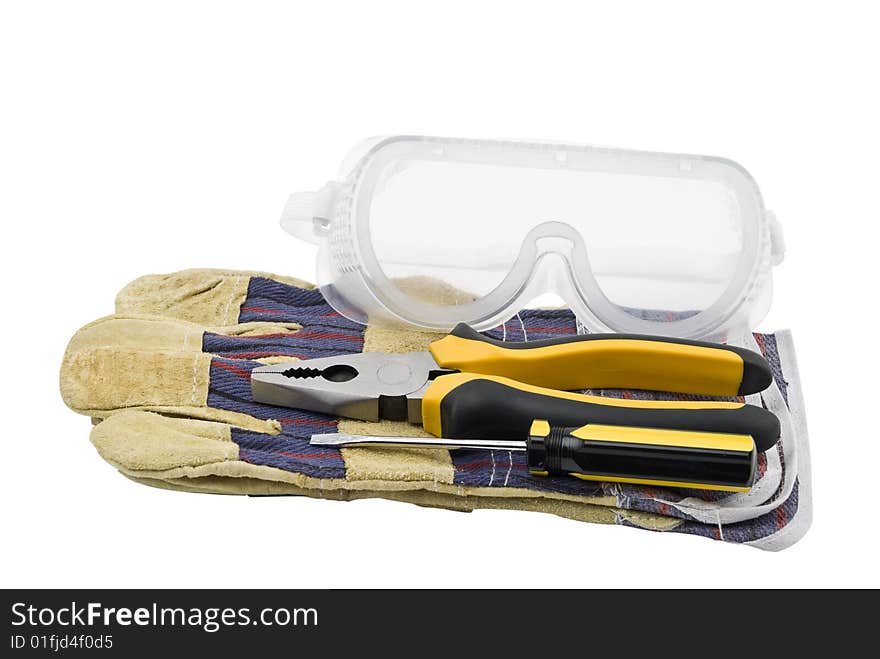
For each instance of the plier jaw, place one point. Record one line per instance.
(368, 386)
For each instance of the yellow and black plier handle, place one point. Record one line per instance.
(608, 361)
(502, 387)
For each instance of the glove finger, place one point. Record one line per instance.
(150, 363)
(142, 442)
(198, 455)
(205, 296)
(246, 315)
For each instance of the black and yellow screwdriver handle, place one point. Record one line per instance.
(474, 406)
(608, 361)
(644, 456)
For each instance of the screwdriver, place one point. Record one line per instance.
(596, 452)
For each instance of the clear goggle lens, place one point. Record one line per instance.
(658, 239)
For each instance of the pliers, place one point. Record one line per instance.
(468, 386)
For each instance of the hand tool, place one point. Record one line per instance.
(645, 456)
(470, 386)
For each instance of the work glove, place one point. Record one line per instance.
(166, 380)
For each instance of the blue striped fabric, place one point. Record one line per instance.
(230, 389)
(748, 531)
(324, 333)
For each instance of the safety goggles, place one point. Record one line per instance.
(435, 231)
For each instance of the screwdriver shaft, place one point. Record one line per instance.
(343, 439)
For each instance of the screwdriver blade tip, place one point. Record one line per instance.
(328, 439)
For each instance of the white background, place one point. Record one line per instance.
(156, 136)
